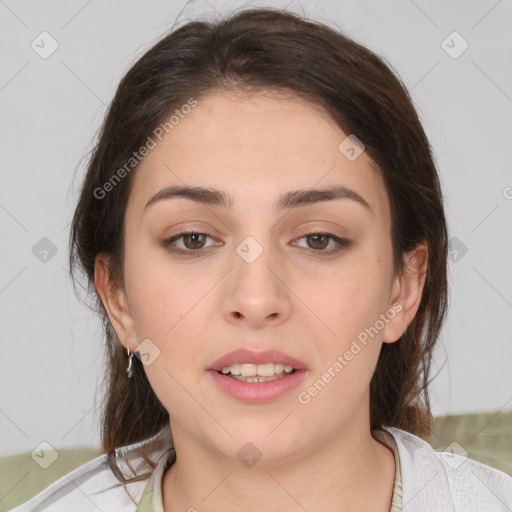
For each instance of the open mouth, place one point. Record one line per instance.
(250, 372)
(258, 383)
(257, 378)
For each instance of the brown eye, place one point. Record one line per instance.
(318, 241)
(194, 240)
(187, 243)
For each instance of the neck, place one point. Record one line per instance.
(354, 472)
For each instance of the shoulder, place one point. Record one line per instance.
(93, 486)
(434, 480)
(90, 487)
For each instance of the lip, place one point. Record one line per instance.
(257, 392)
(244, 355)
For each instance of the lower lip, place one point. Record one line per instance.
(257, 392)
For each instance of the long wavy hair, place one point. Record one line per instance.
(261, 49)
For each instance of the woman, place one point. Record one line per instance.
(263, 226)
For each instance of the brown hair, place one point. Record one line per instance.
(272, 49)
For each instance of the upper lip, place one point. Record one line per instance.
(245, 355)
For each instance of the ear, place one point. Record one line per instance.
(115, 302)
(406, 294)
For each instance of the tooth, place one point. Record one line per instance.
(257, 379)
(266, 370)
(249, 370)
(253, 370)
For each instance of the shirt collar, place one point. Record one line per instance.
(152, 499)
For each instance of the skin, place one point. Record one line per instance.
(319, 456)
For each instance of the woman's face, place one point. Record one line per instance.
(255, 278)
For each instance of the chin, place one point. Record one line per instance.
(261, 442)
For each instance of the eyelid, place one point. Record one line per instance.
(341, 243)
(192, 231)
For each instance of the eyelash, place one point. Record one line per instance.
(342, 243)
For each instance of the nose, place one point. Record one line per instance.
(256, 293)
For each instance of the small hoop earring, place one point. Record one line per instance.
(129, 370)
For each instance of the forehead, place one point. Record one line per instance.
(256, 148)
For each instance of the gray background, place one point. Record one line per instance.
(52, 352)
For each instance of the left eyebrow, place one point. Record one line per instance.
(292, 199)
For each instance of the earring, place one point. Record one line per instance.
(129, 370)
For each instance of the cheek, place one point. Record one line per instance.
(354, 296)
(339, 384)
(169, 309)
(165, 299)
(350, 304)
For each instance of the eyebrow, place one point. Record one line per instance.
(293, 199)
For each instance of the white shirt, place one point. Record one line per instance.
(425, 480)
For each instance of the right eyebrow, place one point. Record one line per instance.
(292, 199)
